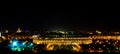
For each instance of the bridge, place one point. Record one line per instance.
(75, 42)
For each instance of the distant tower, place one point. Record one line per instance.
(19, 30)
(6, 31)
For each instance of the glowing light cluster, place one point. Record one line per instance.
(20, 46)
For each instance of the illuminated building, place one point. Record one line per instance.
(98, 32)
(116, 32)
(74, 42)
(19, 30)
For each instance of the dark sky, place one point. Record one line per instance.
(59, 18)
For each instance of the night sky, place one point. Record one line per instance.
(59, 18)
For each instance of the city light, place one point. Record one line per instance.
(14, 43)
(20, 46)
(94, 43)
(23, 43)
(31, 44)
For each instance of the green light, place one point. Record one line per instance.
(19, 49)
(13, 49)
(16, 46)
(118, 48)
(23, 49)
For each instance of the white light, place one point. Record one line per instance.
(23, 43)
(31, 44)
(6, 31)
(0, 34)
(14, 43)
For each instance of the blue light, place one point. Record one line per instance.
(20, 46)
(23, 43)
(31, 44)
(14, 43)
